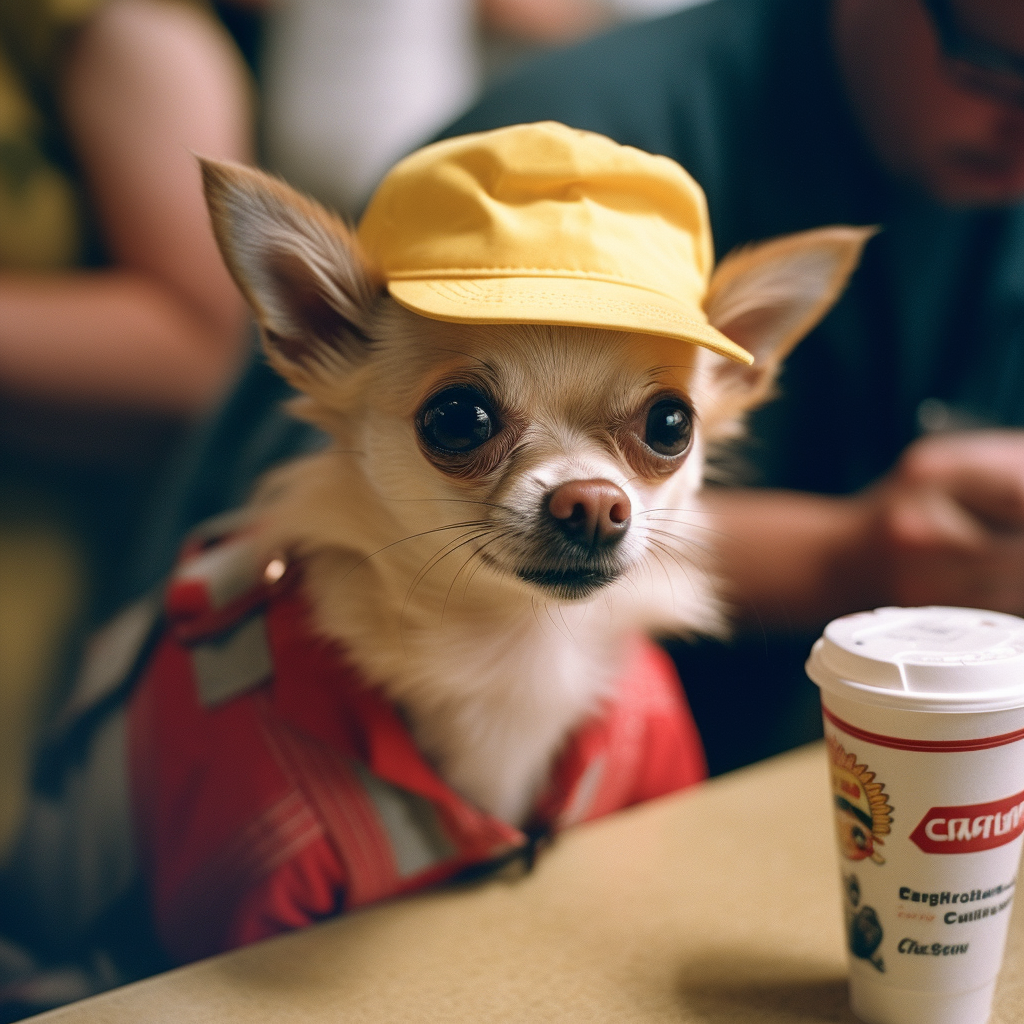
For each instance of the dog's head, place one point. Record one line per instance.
(555, 460)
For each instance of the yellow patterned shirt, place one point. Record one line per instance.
(43, 215)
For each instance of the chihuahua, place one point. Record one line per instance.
(433, 648)
(504, 505)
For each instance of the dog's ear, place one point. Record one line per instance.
(767, 296)
(299, 267)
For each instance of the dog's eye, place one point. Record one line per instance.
(457, 420)
(669, 427)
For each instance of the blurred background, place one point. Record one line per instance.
(347, 88)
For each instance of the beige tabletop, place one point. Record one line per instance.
(718, 905)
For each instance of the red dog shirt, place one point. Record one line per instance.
(271, 788)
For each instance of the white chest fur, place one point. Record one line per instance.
(490, 698)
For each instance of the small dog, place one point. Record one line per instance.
(510, 501)
(503, 501)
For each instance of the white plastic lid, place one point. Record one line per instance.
(935, 658)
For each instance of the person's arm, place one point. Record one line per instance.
(147, 81)
(784, 556)
(945, 526)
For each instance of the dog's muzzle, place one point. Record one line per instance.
(582, 524)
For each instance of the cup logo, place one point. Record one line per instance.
(971, 828)
(863, 814)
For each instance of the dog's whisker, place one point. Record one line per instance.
(679, 556)
(650, 572)
(689, 542)
(533, 605)
(478, 529)
(478, 554)
(420, 574)
(561, 615)
(686, 567)
(703, 544)
(693, 554)
(468, 561)
(697, 513)
(690, 524)
(472, 573)
(547, 609)
(414, 536)
(656, 556)
(687, 525)
(683, 564)
(682, 520)
(431, 563)
(626, 578)
(673, 508)
(450, 548)
(451, 586)
(462, 501)
(658, 548)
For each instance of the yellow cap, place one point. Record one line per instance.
(540, 223)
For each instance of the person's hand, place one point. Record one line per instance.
(949, 522)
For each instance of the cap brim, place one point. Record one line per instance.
(565, 301)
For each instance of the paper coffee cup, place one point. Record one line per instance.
(924, 725)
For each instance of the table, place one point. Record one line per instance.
(717, 905)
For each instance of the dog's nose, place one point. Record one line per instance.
(591, 512)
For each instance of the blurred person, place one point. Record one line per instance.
(876, 483)
(513, 31)
(350, 86)
(117, 317)
(793, 113)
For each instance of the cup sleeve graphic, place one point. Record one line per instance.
(864, 931)
(862, 811)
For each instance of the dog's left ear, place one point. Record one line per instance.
(300, 268)
(766, 297)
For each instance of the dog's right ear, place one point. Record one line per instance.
(300, 268)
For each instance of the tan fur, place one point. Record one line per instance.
(767, 297)
(414, 568)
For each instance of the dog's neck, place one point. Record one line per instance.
(491, 680)
(491, 691)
